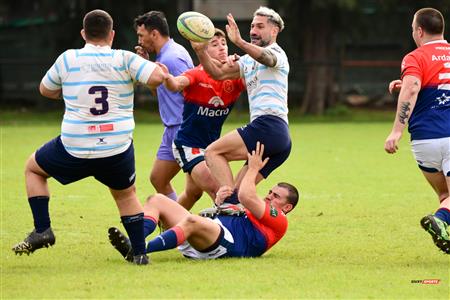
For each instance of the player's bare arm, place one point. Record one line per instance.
(260, 54)
(247, 190)
(216, 69)
(52, 94)
(173, 83)
(406, 101)
(156, 78)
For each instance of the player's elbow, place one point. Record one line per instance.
(156, 78)
(52, 94)
(245, 196)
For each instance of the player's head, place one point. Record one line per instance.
(283, 196)
(149, 27)
(427, 22)
(265, 26)
(217, 46)
(97, 27)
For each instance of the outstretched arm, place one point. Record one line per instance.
(216, 69)
(406, 101)
(260, 54)
(173, 83)
(156, 78)
(247, 191)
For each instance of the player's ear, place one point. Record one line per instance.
(111, 36)
(83, 34)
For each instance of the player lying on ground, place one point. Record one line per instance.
(250, 234)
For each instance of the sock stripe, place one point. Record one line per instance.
(147, 217)
(180, 234)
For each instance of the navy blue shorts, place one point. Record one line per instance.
(273, 132)
(117, 172)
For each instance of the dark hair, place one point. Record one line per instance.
(97, 24)
(153, 20)
(219, 32)
(431, 20)
(293, 194)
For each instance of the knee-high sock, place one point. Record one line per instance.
(41, 216)
(167, 240)
(149, 225)
(134, 225)
(443, 214)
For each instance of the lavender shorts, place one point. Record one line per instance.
(165, 151)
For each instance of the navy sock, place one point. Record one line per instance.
(233, 199)
(149, 225)
(443, 214)
(134, 225)
(167, 240)
(39, 208)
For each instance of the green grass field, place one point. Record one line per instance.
(355, 233)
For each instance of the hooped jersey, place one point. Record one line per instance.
(207, 105)
(252, 236)
(266, 86)
(430, 63)
(97, 88)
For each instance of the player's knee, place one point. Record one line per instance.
(190, 221)
(443, 196)
(209, 153)
(155, 180)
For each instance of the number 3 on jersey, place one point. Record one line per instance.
(103, 100)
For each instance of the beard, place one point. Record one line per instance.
(258, 41)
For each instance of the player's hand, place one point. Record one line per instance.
(141, 52)
(223, 193)
(199, 47)
(395, 86)
(163, 68)
(231, 60)
(391, 143)
(255, 160)
(233, 31)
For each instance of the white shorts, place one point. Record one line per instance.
(187, 157)
(433, 155)
(225, 242)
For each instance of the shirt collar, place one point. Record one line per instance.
(436, 42)
(92, 46)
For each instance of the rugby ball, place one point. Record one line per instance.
(195, 27)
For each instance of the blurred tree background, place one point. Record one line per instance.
(341, 52)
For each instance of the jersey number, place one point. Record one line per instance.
(100, 100)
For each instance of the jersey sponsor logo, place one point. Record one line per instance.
(251, 84)
(100, 128)
(273, 211)
(216, 101)
(444, 99)
(440, 58)
(205, 111)
(106, 127)
(205, 85)
(195, 151)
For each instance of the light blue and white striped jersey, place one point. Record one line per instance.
(266, 86)
(97, 87)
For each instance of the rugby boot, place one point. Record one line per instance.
(35, 241)
(140, 259)
(438, 231)
(121, 243)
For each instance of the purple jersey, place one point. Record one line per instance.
(177, 60)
